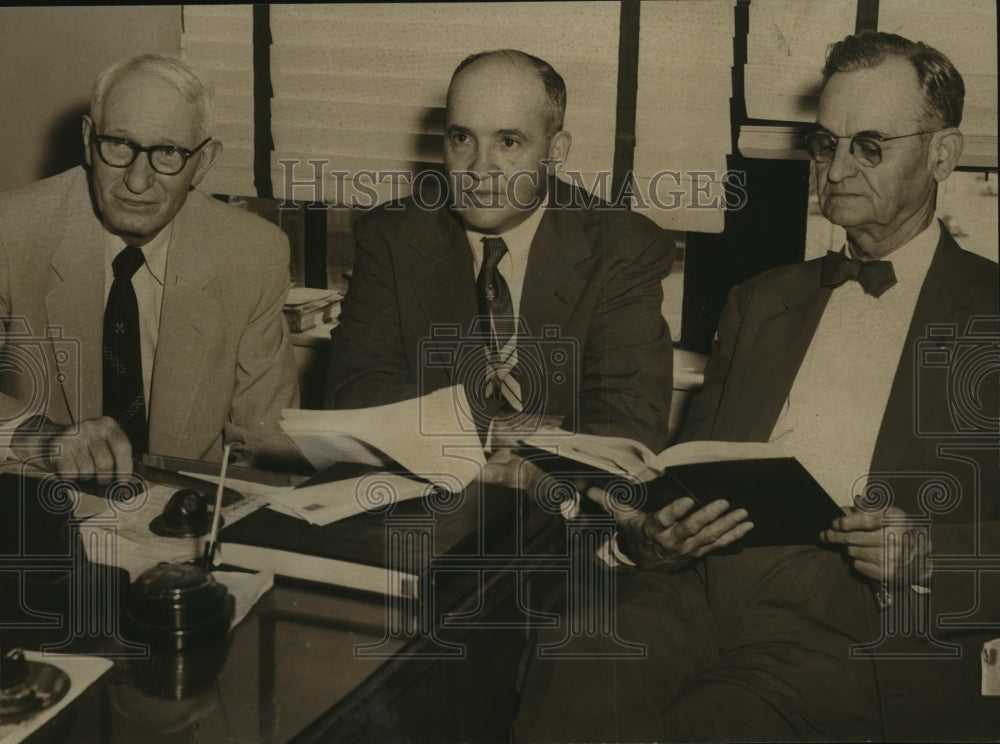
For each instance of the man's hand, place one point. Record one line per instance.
(674, 536)
(507, 469)
(906, 559)
(98, 449)
(508, 431)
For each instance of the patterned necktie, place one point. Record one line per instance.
(124, 399)
(875, 277)
(496, 305)
(495, 301)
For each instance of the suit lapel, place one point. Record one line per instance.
(944, 294)
(77, 289)
(773, 360)
(189, 317)
(552, 283)
(441, 275)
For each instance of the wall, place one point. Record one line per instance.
(49, 57)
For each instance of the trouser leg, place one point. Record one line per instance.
(593, 691)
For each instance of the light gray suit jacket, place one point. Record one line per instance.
(223, 368)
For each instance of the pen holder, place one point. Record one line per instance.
(174, 606)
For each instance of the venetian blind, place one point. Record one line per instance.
(218, 41)
(787, 45)
(361, 88)
(683, 131)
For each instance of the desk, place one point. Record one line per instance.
(319, 664)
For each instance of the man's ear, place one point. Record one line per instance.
(205, 159)
(559, 146)
(945, 151)
(87, 127)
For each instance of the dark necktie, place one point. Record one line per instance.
(875, 277)
(124, 399)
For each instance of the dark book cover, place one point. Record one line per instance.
(785, 503)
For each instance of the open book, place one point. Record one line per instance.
(785, 503)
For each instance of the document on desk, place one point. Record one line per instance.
(428, 436)
(330, 502)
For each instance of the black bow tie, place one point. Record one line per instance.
(875, 277)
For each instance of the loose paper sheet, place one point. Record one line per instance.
(428, 436)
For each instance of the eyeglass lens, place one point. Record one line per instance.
(119, 153)
(823, 148)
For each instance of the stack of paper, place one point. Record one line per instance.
(305, 308)
(427, 436)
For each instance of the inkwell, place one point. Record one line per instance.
(179, 609)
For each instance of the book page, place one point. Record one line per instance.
(688, 453)
(629, 457)
(611, 454)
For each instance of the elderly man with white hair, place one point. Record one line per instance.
(138, 314)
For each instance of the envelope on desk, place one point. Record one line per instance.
(324, 503)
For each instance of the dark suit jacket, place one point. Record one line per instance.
(940, 427)
(223, 367)
(592, 288)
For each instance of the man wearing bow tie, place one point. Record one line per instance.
(839, 361)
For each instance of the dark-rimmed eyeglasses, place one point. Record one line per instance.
(167, 160)
(866, 147)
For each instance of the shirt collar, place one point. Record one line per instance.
(912, 259)
(518, 239)
(155, 252)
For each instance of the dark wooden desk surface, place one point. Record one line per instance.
(317, 664)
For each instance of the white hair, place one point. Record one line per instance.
(174, 71)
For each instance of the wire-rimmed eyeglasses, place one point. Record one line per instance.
(167, 160)
(866, 147)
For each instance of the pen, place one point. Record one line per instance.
(214, 534)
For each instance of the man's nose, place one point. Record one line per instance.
(484, 162)
(139, 176)
(844, 163)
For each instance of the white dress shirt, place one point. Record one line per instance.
(148, 285)
(834, 411)
(514, 263)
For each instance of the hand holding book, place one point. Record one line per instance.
(886, 554)
(694, 497)
(678, 533)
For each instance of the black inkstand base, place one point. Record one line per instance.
(183, 615)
